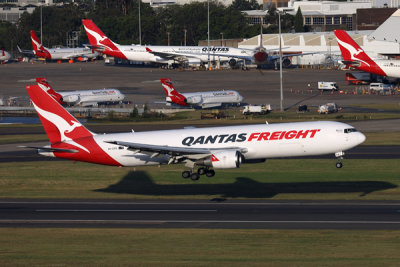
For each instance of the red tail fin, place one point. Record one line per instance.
(58, 123)
(42, 82)
(100, 41)
(38, 48)
(172, 95)
(353, 55)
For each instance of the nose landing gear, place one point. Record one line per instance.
(339, 156)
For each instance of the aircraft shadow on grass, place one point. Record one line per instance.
(140, 183)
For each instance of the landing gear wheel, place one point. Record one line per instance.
(210, 173)
(195, 176)
(186, 174)
(339, 165)
(201, 171)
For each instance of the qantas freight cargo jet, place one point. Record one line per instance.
(200, 99)
(82, 97)
(206, 149)
(354, 56)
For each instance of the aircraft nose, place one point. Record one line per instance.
(361, 138)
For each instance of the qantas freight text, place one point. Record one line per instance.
(263, 136)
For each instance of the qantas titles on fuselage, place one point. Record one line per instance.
(256, 136)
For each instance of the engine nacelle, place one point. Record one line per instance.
(286, 62)
(232, 62)
(226, 159)
(71, 99)
(194, 100)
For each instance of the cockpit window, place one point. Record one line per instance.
(350, 130)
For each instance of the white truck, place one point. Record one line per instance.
(256, 109)
(379, 86)
(332, 86)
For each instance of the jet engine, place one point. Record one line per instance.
(71, 99)
(286, 62)
(232, 62)
(194, 99)
(226, 159)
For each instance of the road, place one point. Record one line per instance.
(201, 214)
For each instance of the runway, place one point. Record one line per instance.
(202, 214)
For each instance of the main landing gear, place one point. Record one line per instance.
(196, 175)
(339, 156)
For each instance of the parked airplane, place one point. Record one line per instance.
(83, 97)
(200, 99)
(202, 148)
(80, 53)
(176, 54)
(354, 56)
(4, 56)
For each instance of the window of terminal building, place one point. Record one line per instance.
(318, 20)
(307, 21)
(328, 20)
(336, 20)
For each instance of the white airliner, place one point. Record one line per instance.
(203, 148)
(354, 56)
(82, 97)
(176, 54)
(4, 56)
(80, 53)
(200, 99)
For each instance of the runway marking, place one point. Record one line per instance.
(205, 203)
(192, 221)
(94, 210)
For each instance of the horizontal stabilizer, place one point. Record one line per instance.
(50, 149)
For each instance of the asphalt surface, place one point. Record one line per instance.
(142, 85)
(201, 214)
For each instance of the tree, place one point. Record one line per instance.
(298, 21)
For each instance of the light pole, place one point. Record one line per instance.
(222, 39)
(185, 36)
(140, 28)
(280, 60)
(208, 32)
(41, 33)
(168, 38)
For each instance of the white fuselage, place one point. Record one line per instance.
(92, 97)
(5, 57)
(390, 67)
(213, 98)
(200, 53)
(261, 141)
(70, 53)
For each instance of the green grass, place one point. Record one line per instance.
(197, 247)
(276, 179)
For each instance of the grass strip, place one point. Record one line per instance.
(276, 179)
(197, 247)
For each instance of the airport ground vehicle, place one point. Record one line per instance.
(328, 86)
(328, 108)
(379, 86)
(256, 109)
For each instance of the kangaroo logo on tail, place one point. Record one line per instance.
(38, 48)
(173, 95)
(42, 82)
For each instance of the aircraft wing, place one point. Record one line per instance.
(174, 152)
(171, 55)
(26, 52)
